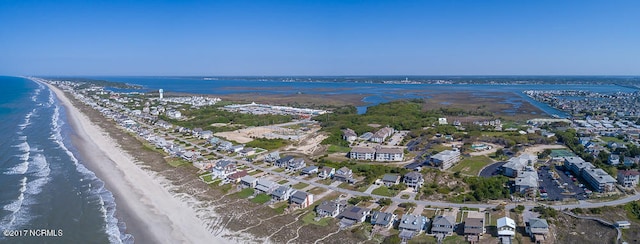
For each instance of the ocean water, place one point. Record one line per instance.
(375, 92)
(44, 183)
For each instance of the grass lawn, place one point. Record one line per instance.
(244, 193)
(438, 148)
(326, 181)
(300, 185)
(429, 213)
(611, 139)
(261, 198)
(384, 191)
(422, 238)
(280, 207)
(336, 149)
(279, 170)
(255, 172)
(453, 239)
(308, 219)
(282, 182)
(177, 162)
(207, 179)
(317, 190)
(472, 165)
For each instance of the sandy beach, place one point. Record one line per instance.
(152, 213)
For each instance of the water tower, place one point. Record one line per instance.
(161, 93)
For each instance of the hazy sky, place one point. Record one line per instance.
(307, 37)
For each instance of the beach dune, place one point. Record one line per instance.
(152, 214)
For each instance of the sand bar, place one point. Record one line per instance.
(151, 212)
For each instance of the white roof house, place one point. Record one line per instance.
(506, 227)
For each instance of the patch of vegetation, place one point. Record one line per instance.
(261, 198)
(472, 165)
(280, 207)
(309, 219)
(384, 191)
(204, 117)
(282, 182)
(268, 144)
(336, 149)
(356, 200)
(176, 162)
(488, 188)
(244, 193)
(300, 185)
(546, 212)
(384, 201)
(633, 209)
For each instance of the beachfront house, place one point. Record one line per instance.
(266, 186)
(389, 154)
(442, 226)
(236, 177)
(284, 161)
(329, 209)
(296, 164)
(413, 223)
(223, 168)
(390, 179)
(382, 219)
(312, 169)
(248, 181)
(301, 199)
(282, 193)
(344, 174)
(326, 172)
(413, 179)
(537, 229)
(628, 178)
(445, 159)
(362, 153)
(353, 214)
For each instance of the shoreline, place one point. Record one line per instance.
(151, 213)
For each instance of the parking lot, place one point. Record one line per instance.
(491, 170)
(563, 188)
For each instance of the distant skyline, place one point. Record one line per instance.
(316, 38)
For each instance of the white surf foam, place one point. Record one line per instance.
(14, 207)
(27, 120)
(22, 167)
(106, 200)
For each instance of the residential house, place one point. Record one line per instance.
(329, 209)
(284, 161)
(205, 134)
(413, 179)
(310, 170)
(630, 162)
(282, 193)
(237, 176)
(247, 151)
(344, 174)
(266, 186)
(223, 168)
(515, 165)
(473, 228)
(196, 132)
(349, 135)
(272, 157)
(445, 159)
(413, 223)
(355, 214)
(389, 154)
(506, 229)
(614, 159)
(382, 219)
(326, 172)
(391, 179)
(362, 153)
(628, 178)
(537, 229)
(296, 164)
(301, 199)
(248, 181)
(443, 226)
(164, 124)
(188, 155)
(236, 148)
(224, 146)
(214, 140)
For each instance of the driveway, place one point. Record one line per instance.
(491, 170)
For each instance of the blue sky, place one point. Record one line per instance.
(578, 37)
